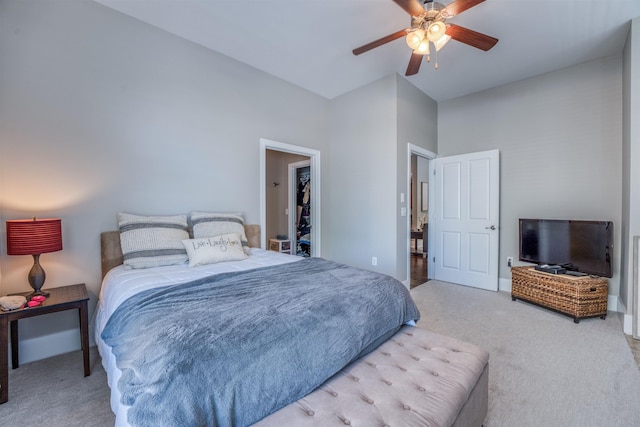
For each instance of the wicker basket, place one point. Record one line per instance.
(578, 297)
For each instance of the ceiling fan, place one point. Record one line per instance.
(429, 26)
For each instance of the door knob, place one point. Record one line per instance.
(493, 227)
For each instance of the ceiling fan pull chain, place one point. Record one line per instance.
(435, 66)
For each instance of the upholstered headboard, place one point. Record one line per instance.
(111, 251)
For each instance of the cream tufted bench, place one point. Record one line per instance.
(417, 378)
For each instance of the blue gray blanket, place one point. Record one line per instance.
(230, 349)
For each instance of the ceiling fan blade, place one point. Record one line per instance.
(379, 42)
(414, 64)
(459, 6)
(412, 7)
(470, 37)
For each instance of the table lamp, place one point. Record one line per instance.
(34, 237)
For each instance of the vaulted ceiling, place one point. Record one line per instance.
(309, 42)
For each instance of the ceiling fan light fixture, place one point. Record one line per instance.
(439, 44)
(423, 47)
(436, 30)
(414, 38)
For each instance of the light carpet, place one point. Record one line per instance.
(545, 370)
(55, 393)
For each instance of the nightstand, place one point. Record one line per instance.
(278, 245)
(60, 299)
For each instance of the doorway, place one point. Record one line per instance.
(418, 160)
(276, 190)
(418, 208)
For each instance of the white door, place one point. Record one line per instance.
(465, 219)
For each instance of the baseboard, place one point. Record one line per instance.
(627, 325)
(614, 304)
(504, 285)
(48, 345)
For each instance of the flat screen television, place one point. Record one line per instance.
(584, 246)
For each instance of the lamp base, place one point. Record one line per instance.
(36, 278)
(36, 293)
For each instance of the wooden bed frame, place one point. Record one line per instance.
(409, 350)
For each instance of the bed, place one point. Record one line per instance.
(381, 370)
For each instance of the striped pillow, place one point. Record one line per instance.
(152, 241)
(212, 224)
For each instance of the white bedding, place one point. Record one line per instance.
(120, 284)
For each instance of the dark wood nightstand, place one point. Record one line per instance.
(60, 299)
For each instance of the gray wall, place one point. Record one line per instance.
(417, 124)
(631, 161)
(102, 113)
(560, 142)
(363, 176)
(370, 129)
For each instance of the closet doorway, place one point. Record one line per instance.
(289, 205)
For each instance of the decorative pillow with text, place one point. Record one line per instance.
(209, 250)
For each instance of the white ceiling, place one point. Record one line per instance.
(309, 42)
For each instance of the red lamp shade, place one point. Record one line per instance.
(34, 236)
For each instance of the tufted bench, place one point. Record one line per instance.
(417, 378)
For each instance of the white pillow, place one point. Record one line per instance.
(211, 224)
(152, 241)
(209, 250)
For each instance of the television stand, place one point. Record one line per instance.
(577, 297)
